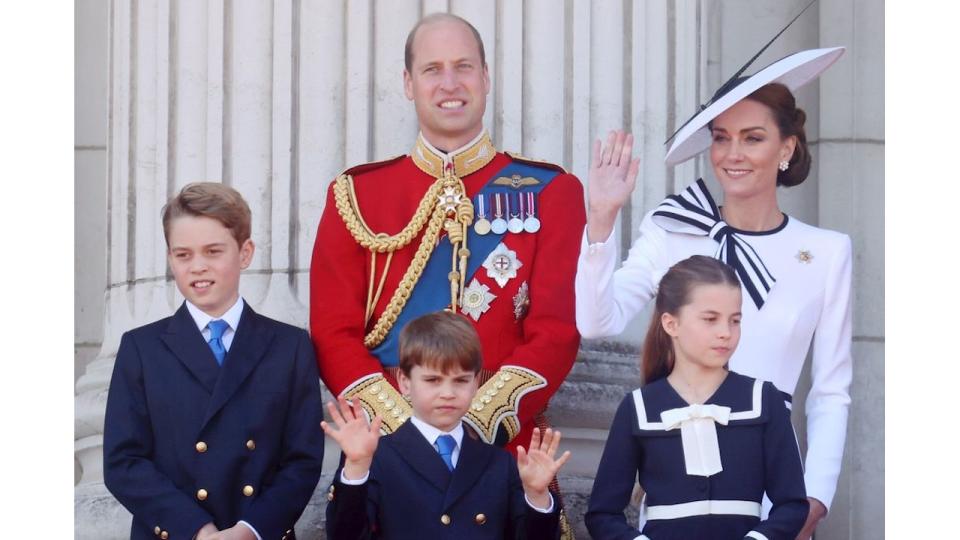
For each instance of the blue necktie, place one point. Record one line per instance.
(217, 328)
(445, 445)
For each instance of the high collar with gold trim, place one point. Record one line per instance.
(467, 159)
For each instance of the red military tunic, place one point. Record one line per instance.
(544, 339)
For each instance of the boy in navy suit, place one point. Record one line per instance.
(211, 422)
(432, 478)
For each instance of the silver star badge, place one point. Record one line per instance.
(476, 299)
(502, 264)
(449, 199)
(804, 256)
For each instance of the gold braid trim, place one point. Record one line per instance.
(377, 396)
(498, 401)
(346, 200)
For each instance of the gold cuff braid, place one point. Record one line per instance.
(498, 401)
(377, 396)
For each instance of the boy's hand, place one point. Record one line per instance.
(357, 438)
(537, 468)
(207, 532)
(237, 532)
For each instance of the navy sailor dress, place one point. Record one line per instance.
(704, 467)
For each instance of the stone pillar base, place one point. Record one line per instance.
(97, 515)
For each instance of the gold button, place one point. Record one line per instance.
(505, 377)
(156, 530)
(445, 519)
(248, 490)
(202, 494)
(389, 403)
(480, 519)
(164, 535)
(201, 447)
(251, 445)
(375, 389)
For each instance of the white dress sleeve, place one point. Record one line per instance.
(828, 402)
(606, 299)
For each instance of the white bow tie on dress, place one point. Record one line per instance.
(698, 431)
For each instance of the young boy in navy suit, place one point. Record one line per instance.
(432, 478)
(212, 416)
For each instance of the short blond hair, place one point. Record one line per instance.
(213, 200)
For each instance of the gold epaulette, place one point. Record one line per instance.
(377, 396)
(365, 167)
(498, 401)
(536, 162)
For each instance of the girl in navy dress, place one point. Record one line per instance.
(704, 442)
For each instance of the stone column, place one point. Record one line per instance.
(851, 199)
(197, 91)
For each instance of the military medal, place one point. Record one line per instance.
(521, 301)
(449, 199)
(531, 224)
(498, 225)
(476, 299)
(481, 226)
(502, 264)
(515, 225)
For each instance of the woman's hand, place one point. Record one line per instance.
(357, 438)
(537, 467)
(612, 177)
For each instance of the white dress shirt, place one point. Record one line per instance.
(810, 303)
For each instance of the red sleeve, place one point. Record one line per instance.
(338, 297)
(550, 331)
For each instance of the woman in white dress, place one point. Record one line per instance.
(795, 277)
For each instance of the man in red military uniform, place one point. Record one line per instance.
(454, 225)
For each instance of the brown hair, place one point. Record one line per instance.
(790, 121)
(674, 293)
(213, 200)
(439, 341)
(437, 17)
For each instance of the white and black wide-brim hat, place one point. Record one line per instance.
(793, 72)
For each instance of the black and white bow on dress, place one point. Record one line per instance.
(693, 211)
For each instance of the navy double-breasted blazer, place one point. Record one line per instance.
(411, 494)
(187, 442)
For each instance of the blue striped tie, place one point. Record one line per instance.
(217, 328)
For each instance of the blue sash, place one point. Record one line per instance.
(432, 291)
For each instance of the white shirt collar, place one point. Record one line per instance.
(232, 316)
(431, 433)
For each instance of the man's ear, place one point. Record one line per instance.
(408, 85)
